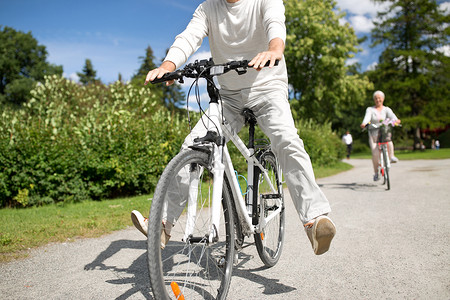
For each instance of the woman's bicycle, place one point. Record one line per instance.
(383, 138)
(200, 182)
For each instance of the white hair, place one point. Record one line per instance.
(378, 93)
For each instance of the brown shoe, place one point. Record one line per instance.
(320, 232)
(141, 224)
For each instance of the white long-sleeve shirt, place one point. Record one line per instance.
(235, 31)
(376, 117)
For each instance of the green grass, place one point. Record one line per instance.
(22, 229)
(321, 172)
(410, 155)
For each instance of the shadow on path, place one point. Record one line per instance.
(138, 269)
(271, 286)
(139, 278)
(358, 187)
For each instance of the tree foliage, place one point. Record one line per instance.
(88, 74)
(172, 96)
(413, 70)
(317, 48)
(23, 62)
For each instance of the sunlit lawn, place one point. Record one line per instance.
(409, 154)
(21, 229)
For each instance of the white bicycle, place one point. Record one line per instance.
(197, 262)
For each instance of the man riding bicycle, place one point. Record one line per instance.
(244, 29)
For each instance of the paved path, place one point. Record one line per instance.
(389, 245)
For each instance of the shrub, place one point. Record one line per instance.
(324, 147)
(360, 146)
(71, 143)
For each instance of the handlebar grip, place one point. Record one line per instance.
(244, 64)
(277, 61)
(167, 77)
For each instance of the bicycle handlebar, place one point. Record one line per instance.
(387, 122)
(207, 69)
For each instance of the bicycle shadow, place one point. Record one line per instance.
(354, 186)
(139, 278)
(271, 286)
(138, 268)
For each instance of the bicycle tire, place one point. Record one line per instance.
(202, 270)
(386, 169)
(381, 164)
(269, 242)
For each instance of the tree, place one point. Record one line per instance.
(317, 47)
(88, 75)
(413, 69)
(171, 96)
(23, 62)
(147, 64)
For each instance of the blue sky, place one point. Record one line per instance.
(114, 34)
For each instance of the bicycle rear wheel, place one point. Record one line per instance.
(269, 242)
(386, 169)
(200, 269)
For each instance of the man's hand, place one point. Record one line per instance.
(165, 67)
(275, 52)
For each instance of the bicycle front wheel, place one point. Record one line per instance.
(189, 265)
(386, 169)
(269, 242)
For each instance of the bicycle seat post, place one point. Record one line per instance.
(251, 120)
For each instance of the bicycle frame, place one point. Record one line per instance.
(383, 146)
(219, 131)
(222, 164)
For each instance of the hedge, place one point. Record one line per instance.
(72, 143)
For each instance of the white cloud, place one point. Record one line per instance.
(359, 7)
(199, 55)
(351, 61)
(445, 6)
(73, 76)
(361, 24)
(445, 50)
(204, 102)
(343, 21)
(360, 16)
(372, 66)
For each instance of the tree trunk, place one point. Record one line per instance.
(417, 139)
